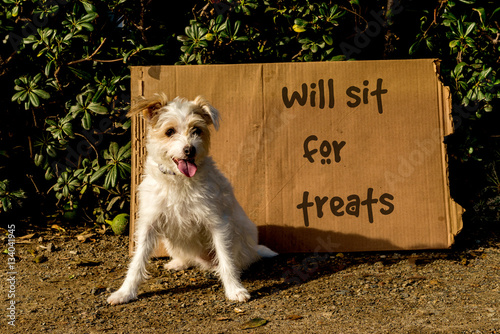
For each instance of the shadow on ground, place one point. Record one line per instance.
(290, 270)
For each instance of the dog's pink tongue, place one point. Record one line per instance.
(186, 167)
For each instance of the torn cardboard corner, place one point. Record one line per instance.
(325, 156)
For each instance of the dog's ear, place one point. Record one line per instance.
(209, 113)
(149, 107)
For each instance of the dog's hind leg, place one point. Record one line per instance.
(176, 264)
(146, 242)
(178, 259)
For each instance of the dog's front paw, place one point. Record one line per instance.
(121, 297)
(239, 295)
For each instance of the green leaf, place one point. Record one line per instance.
(127, 55)
(51, 151)
(338, 58)
(19, 194)
(48, 174)
(126, 125)
(37, 78)
(75, 110)
(100, 172)
(68, 129)
(48, 68)
(429, 44)
(86, 121)
(17, 96)
(470, 28)
(113, 150)
(87, 26)
(237, 27)
(65, 191)
(97, 108)
(484, 74)
(38, 159)
(254, 323)
(6, 204)
(89, 8)
(328, 39)
(124, 169)
(51, 122)
(495, 11)
(111, 177)
(300, 22)
(34, 100)
(125, 152)
(80, 73)
(41, 93)
(23, 96)
(88, 18)
(112, 202)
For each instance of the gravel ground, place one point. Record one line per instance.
(61, 286)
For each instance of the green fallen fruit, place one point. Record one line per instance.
(119, 223)
(70, 211)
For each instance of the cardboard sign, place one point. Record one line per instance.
(326, 156)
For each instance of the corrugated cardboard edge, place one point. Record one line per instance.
(138, 151)
(453, 210)
(138, 130)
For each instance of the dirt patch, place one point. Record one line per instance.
(453, 291)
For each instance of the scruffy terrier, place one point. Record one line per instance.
(186, 202)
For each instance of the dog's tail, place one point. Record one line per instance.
(263, 251)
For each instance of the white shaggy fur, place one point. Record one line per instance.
(186, 203)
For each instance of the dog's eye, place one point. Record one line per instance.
(170, 132)
(197, 131)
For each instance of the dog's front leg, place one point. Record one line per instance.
(147, 238)
(226, 268)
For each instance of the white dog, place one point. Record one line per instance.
(186, 202)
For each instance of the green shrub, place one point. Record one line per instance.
(65, 65)
(466, 35)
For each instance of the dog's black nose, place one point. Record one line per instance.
(189, 151)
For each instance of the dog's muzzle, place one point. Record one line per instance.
(186, 166)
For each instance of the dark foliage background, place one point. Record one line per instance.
(64, 73)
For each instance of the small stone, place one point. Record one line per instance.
(97, 290)
(294, 317)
